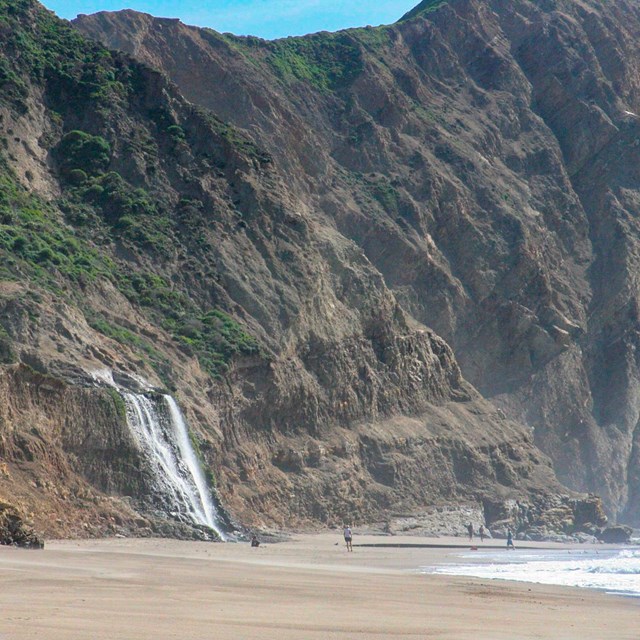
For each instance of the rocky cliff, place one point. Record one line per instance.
(483, 154)
(277, 287)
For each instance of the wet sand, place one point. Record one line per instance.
(308, 588)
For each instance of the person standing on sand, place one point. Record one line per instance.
(481, 533)
(470, 530)
(510, 540)
(348, 537)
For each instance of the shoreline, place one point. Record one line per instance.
(305, 588)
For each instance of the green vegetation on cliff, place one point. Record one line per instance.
(36, 246)
(216, 338)
(116, 142)
(81, 153)
(427, 6)
(327, 61)
(7, 354)
(40, 47)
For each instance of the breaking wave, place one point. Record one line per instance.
(614, 571)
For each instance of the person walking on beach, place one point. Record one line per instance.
(348, 537)
(470, 530)
(510, 540)
(481, 533)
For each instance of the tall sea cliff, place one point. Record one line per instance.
(379, 270)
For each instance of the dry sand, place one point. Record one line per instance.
(308, 588)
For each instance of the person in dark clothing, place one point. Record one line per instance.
(255, 542)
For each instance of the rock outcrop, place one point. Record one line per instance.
(15, 531)
(483, 155)
(620, 534)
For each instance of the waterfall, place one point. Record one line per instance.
(193, 465)
(162, 435)
(175, 466)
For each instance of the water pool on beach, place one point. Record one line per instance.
(615, 571)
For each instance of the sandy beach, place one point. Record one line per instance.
(309, 587)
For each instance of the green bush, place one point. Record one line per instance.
(7, 354)
(327, 61)
(216, 338)
(37, 244)
(176, 132)
(132, 212)
(77, 176)
(19, 243)
(80, 151)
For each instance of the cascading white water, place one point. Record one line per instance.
(193, 465)
(173, 461)
(164, 438)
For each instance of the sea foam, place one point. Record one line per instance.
(612, 570)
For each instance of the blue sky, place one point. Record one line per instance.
(265, 18)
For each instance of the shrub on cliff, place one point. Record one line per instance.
(81, 151)
(327, 62)
(7, 354)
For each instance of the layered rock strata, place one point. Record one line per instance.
(264, 285)
(483, 156)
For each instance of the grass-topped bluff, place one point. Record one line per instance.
(425, 7)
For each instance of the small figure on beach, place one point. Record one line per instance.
(348, 537)
(481, 533)
(470, 530)
(510, 540)
(255, 542)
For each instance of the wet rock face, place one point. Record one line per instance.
(65, 451)
(483, 154)
(69, 457)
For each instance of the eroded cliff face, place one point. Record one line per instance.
(285, 450)
(52, 458)
(144, 235)
(483, 155)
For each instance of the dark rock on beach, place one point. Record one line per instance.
(618, 534)
(15, 531)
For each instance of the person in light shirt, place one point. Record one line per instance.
(348, 537)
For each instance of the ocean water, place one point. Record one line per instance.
(615, 571)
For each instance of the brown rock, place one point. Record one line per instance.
(15, 531)
(282, 283)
